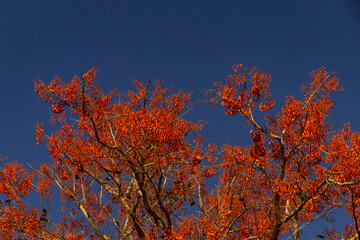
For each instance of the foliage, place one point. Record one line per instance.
(129, 166)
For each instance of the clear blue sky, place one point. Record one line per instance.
(189, 44)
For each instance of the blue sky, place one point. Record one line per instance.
(189, 44)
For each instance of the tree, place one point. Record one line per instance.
(296, 170)
(129, 166)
